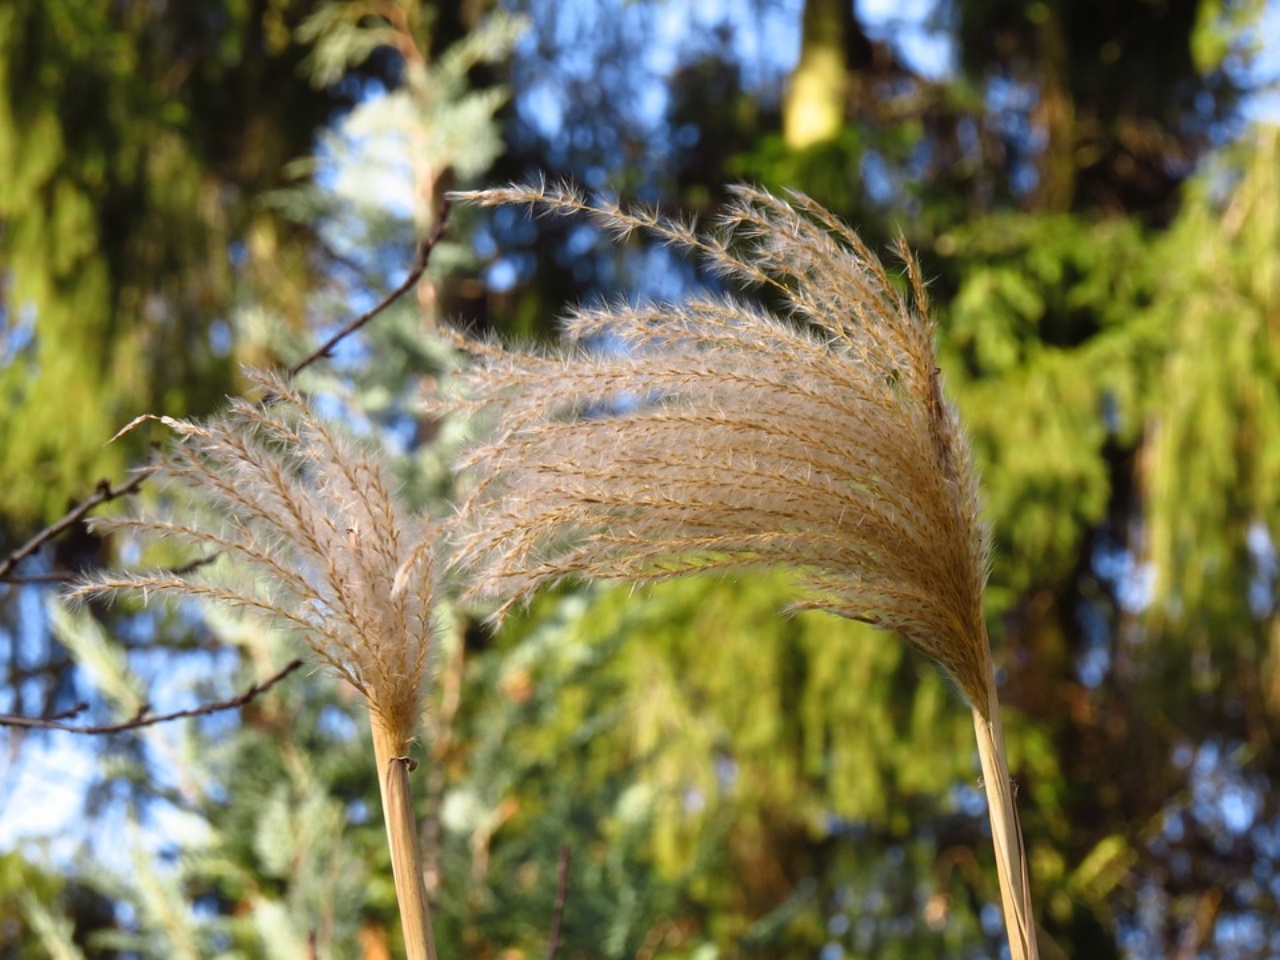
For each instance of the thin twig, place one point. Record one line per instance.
(106, 492)
(103, 493)
(562, 896)
(142, 719)
(70, 712)
(420, 262)
(22, 580)
(67, 576)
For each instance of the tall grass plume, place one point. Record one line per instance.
(800, 424)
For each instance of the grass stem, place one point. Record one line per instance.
(402, 837)
(1006, 830)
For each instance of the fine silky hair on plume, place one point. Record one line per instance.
(739, 438)
(302, 528)
(720, 433)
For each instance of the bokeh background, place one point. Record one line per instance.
(1094, 190)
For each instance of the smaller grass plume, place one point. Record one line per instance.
(306, 533)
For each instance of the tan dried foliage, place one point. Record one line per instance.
(308, 535)
(725, 434)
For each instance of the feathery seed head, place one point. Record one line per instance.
(309, 535)
(725, 435)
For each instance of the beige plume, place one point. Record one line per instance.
(806, 429)
(308, 536)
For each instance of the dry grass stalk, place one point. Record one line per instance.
(724, 435)
(310, 537)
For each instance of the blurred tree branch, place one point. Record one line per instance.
(143, 717)
(105, 492)
(420, 263)
(562, 897)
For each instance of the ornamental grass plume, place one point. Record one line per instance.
(722, 433)
(308, 535)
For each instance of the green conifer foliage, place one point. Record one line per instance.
(132, 139)
(1045, 330)
(1212, 458)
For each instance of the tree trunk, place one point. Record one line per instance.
(814, 108)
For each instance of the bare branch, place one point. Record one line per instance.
(142, 719)
(103, 493)
(562, 896)
(19, 580)
(70, 712)
(420, 262)
(106, 492)
(67, 576)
